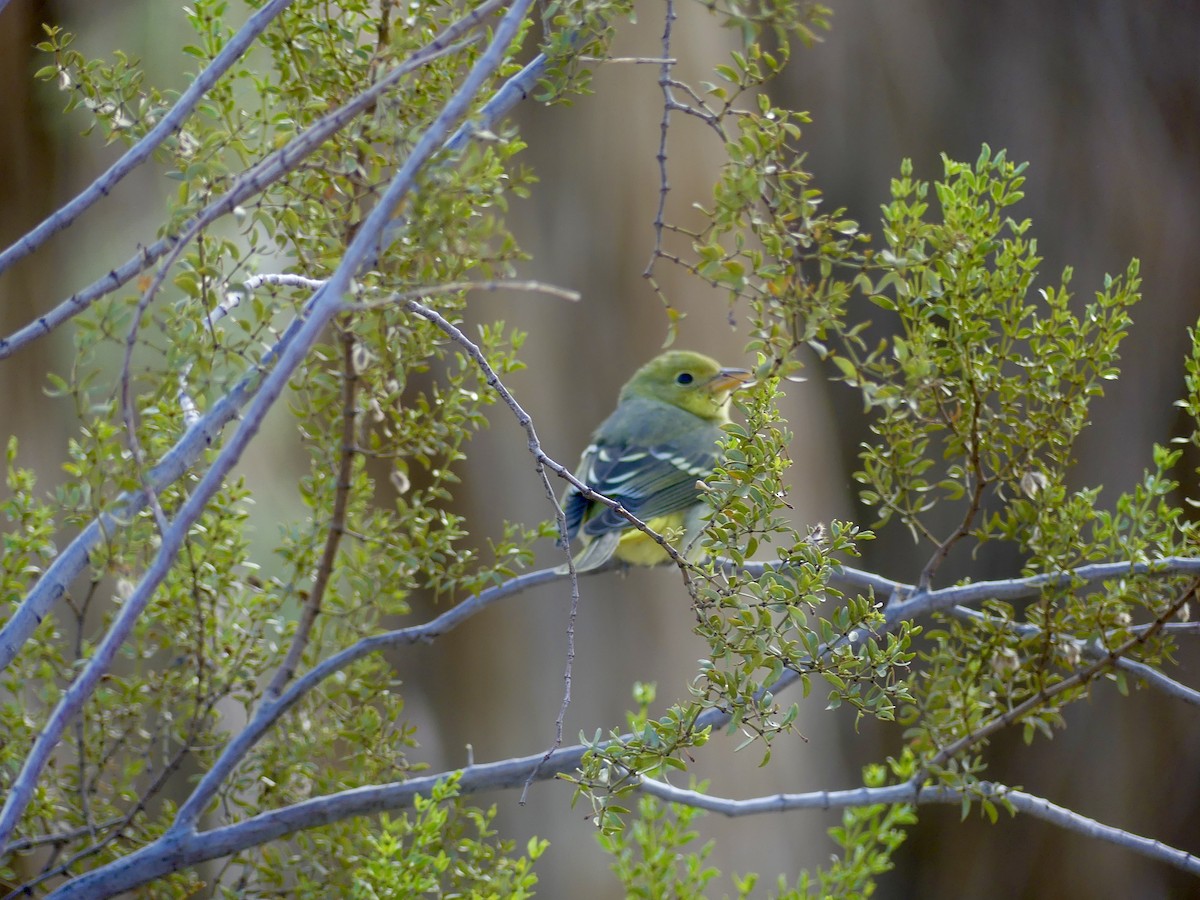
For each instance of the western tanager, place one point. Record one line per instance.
(649, 455)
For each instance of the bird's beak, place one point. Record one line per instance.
(730, 380)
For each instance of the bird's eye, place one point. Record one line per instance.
(683, 378)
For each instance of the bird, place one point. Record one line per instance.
(651, 455)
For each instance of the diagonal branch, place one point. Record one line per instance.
(253, 181)
(143, 149)
(325, 304)
(1107, 660)
(918, 603)
(204, 432)
(337, 523)
(1095, 649)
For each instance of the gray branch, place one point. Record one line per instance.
(143, 149)
(181, 846)
(253, 181)
(324, 305)
(916, 794)
(187, 451)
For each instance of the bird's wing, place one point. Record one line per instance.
(647, 481)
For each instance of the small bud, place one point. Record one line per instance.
(1071, 653)
(399, 480)
(1033, 483)
(361, 359)
(1006, 661)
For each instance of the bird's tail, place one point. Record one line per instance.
(595, 553)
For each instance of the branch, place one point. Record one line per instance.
(842, 577)
(179, 849)
(1152, 676)
(337, 523)
(664, 186)
(1096, 649)
(920, 603)
(251, 182)
(980, 485)
(66, 567)
(325, 304)
(489, 285)
(143, 149)
(913, 793)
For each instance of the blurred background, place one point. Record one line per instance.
(1102, 99)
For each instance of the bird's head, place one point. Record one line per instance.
(690, 381)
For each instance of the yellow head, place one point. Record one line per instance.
(690, 381)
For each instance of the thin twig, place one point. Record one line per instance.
(63, 837)
(635, 60)
(540, 464)
(454, 287)
(337, 523)
(489, 285)
(979, 486)
(664, 186)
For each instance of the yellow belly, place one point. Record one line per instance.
(638, 549)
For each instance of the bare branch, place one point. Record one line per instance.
(920, 603)
(913, 793)
(664, 187)
(490, 285)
